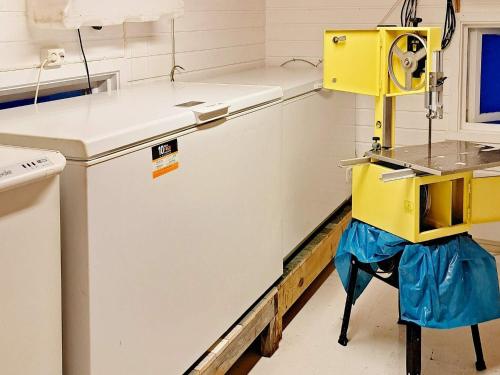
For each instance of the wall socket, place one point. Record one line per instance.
(54, 56)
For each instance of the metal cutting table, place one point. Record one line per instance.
(441, 158)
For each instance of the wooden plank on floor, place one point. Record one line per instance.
(301, 271)
(305, 268)
(226, 352)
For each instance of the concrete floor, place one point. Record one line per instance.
(377, 343)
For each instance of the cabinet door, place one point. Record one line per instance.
(352, 61)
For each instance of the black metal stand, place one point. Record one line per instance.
(348, 303)
(413, 349)
(413, 331)
(480, 364)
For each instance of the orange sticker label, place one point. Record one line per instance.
(164, 171)
(165, 158)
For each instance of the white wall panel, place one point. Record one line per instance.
(211, 35)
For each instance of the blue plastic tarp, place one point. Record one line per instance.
(446, 283)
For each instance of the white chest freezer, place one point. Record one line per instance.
(318, 132)
(171, 230)
(30, 262)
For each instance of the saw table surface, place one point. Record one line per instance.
(441, 158)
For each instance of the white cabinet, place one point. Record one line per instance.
(30, 262)
(72, 14)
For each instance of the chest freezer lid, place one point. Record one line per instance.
(20, 166)
(294, 80)
(86, 127)
(237, 97)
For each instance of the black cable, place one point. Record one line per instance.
(450, 25)
(403, 13)
(408, 12)
(85, 62)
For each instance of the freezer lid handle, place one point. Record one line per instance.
(210, 112)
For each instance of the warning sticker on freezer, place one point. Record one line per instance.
(165, 158)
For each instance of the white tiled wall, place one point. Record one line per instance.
(295, 27)
(212, 34)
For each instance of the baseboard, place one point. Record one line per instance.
(492, 246)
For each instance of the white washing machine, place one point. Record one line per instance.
(30, 262)
(171, 228)
(318, 132)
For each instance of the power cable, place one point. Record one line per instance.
(450, 25)
(409, 12)
(42, 65)
(85, 62)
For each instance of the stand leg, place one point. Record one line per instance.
(348, 303)
(480, 364)
(413, 349)
(400, 321)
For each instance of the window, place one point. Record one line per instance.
(484, 77)
(57, 90)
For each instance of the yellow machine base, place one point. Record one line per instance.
(397, 206)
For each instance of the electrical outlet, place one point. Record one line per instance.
(54, 56)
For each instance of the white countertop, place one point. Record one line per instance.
(85, 127)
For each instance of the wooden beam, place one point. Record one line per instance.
(224, 354)
(301, 271)
(457, 6)
(272, 334)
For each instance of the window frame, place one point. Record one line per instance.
(474, 72)
(456, 86)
